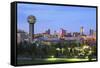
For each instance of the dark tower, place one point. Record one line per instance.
(91, 31)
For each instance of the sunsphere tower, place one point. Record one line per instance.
(31, 20)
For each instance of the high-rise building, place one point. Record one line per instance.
(91, 32)
(55, 34)
(82, 30)
(63, 32)
(48, 31)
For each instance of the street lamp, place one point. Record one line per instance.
(31, 20)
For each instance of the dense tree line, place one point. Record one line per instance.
(61, 49)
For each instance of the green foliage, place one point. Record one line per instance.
(66, 49)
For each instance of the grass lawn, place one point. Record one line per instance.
(50, 60)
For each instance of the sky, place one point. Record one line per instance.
(51, 17)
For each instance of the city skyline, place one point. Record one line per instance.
(56, 17)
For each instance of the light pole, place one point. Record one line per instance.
(31, 20)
